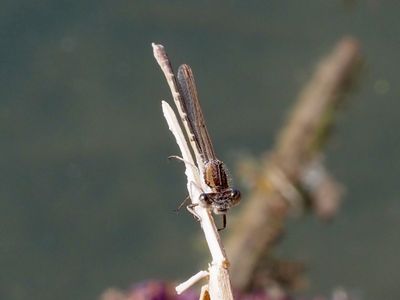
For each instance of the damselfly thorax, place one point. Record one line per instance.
(223, 197)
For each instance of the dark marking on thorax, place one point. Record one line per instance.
(215, 175)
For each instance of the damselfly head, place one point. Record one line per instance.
(221, 202)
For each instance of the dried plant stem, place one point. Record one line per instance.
(219, 286)
(191, 281)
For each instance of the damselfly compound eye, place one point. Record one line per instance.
(205, 199)
(235, 194)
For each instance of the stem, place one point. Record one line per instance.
(219, 285)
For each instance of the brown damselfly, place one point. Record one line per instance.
(221, 196)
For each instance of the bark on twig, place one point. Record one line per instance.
(262, 218)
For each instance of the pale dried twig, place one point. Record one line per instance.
(191, 281)
(219, 286)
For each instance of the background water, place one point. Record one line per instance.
(86, 191)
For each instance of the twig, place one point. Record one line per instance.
(261, 220)
(204, 293)
(219, 286)
(191, 281)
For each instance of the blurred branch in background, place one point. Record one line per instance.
(292, 177)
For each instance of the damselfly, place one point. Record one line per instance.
(222, 197)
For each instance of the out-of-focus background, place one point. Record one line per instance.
(86, 191)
